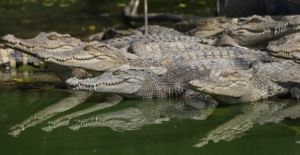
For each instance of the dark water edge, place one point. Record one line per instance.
(177, 135)
(81, 18)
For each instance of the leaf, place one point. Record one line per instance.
(25, 80)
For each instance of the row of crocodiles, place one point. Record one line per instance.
(246, 63)
(255, 58)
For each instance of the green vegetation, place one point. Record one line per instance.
(26, 68)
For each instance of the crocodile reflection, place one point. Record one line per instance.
(147, 112)
(73, 100)
(253, 113)
(64, 121)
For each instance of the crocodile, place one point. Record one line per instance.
(135, 82)
(262, 81)
(97, 57)
(126, 41)
(64, 42)
(129, 81)
(52, 42)
(204, 28)
(256, 30)
(285, 46)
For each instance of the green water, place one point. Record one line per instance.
(81, 18)
(142, 126)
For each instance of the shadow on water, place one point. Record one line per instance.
(48, 121)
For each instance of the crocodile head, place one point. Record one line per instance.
(257, 29)
(285, 46)
(43, 41)
(227, 86)
(125, 81)
(93, 56)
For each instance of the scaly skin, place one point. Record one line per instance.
(135, 82)
(50, 42)
(87, 57)
(210, 28)
(285, 46)
(113, 33)
(125, 81)
(99, 57)
(257, 29)
(125, 42)
(261, 82)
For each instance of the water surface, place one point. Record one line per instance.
(158, 126)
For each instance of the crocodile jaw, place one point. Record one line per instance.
(228, 87)
(99, 57)
(33, 46)
(234, 89)
(251, 34)
(98, 64)
(107, 84)
(285, 47)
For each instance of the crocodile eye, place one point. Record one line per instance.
(103, 46)
(117, 72)
(66, 37)
(225, 74)
(52, 37)
(88, 48)
(255, 20)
